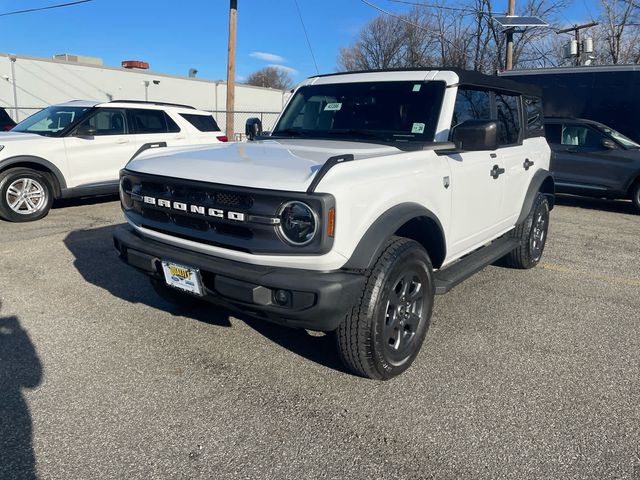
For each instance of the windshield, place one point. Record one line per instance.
(50, 121)
(625, 141)
(365, 111)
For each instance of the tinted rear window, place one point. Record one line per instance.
(204, 123)
(153, 121)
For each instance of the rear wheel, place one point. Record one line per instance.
(25, 195)
(382, 334)
(532, 235)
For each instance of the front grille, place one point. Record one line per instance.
(238, 218)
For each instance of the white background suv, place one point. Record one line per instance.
(77, 149)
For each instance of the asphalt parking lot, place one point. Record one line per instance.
(524, 374)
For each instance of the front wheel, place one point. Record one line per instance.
(25, 195)
(382, 334)
(635, 196)
(532, 235)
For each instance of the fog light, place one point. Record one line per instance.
(282, 297)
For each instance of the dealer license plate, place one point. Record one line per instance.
(182, 277)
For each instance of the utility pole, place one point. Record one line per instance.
(510, 13)
(576, 29)
(231, 68)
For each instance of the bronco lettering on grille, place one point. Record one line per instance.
(197, 209)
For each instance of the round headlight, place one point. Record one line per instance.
(298, 223)
(125, 193)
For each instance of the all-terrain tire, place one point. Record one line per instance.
(26, 195)
(532, 235)
(382, 334)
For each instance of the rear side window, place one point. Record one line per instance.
(153, 121)
(534, 115)
(508, 118)
(204, 123)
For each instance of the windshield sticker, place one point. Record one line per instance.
(417, 87)
(333, 107)
(417, 128)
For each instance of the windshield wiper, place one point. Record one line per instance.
(295, 131)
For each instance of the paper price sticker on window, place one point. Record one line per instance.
(417, 128)
(333, 107)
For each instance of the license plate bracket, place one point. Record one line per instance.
(182, 277)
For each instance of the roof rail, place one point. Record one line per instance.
(144, 102)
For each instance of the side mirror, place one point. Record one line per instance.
(609, 144)
(85, 131)
(253, 128)
(476, 135)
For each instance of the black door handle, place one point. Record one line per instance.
(527, 163)
(496, 171)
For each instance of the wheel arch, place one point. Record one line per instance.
(408, 220)
(41, 165)
(542, 182)
(634, 180)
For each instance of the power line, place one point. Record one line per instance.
(306, 36)
(60, 5)
(440, 7)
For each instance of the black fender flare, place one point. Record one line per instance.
(542, 181)
(8, 162)
(372, 242)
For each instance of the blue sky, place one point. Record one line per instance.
(174, 36)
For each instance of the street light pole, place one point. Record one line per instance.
(509, 33)
(231, 67)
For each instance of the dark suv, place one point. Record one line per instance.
(591, 159)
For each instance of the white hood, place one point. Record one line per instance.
(283, 164)
(6, 137)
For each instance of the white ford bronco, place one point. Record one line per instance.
(374, 192)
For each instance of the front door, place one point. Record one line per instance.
(477, 194)
(99, 147)
(581, 159)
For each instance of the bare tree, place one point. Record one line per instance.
(379, 45)
(459, 34)
(617, 40)
(272, 77)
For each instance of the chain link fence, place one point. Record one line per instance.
(240, 118)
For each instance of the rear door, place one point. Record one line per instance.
(154, 125)
(511, 155)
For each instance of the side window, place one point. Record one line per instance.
(204, 123)
(108, 121)
(534, 115)
(508, 118)
(153, 121)
(581, 136)
(471, 105)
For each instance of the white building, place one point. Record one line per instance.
(28, 84)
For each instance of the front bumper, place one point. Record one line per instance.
(317, 300)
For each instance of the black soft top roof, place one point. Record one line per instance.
(467, 77)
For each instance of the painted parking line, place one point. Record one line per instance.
(594, 276)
